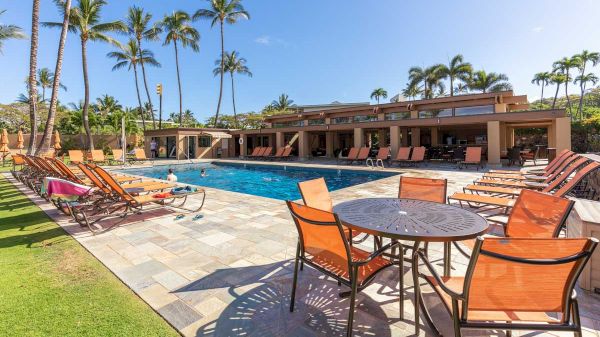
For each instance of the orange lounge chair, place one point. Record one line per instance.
(564, 154)
(267, 152)
(417, 156)
(255, 151)
(512, 284)
(352, 154)
(76, 156)
(287, 153)
(97, 156)
(472, 157)
(382, 155)
(402, 155)
(363, 154)
(323, 246)
(139, 155)
(278, 153)
(118, 156)
(519, 176)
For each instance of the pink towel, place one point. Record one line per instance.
(63, 189)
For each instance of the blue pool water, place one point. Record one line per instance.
(271, 181)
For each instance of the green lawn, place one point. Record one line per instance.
(51, 286)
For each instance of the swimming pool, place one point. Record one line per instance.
(271, 181)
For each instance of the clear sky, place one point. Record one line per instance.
(319, 51)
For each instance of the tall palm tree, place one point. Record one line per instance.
(85, 20)
(32, 86)
(583, 81)
(564, 66)
(542, 79)
(45, 79)
(282, 103)
(430, 77)
(130, 55)
(65, 8)
(461, 88)
(558, 79)
(456, 69)
(8, 32)
(108, 104)
(379, 93)
(582, 59)
(222, 11)
(178, 29)
(233, 65)
(489, 82)
(411, 91)
(138, 26)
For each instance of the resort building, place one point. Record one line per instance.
(488, 120)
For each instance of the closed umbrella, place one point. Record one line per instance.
(20, 140)
(4, 144)
(57, 145)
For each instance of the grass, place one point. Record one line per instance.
(51, 286)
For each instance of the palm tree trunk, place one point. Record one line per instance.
(178, 83)
(222, 73)
(542, 97)
(451, 86)
(567, 93)
(146, 83)
(47, 138)
(86, 98)
(555, 96)
(235, 121)
(43, 93)
(35, 21)
(137, 90)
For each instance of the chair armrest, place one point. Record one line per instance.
(438, 279)
(376, 253)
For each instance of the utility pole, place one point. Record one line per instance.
(159, 91)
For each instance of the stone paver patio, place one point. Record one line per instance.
(229, 273)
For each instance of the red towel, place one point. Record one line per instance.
(162, 195)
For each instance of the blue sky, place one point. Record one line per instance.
(320, 51)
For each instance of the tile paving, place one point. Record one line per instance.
(229, 272)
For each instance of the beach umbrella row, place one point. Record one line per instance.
(21, 142)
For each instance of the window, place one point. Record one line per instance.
(435, 113)
(394, 116)
(366, 118)
(474, 110)
(316, 122)
(204, 141)
(287, 124)
(341, 120)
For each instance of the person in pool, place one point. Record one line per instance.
(203, 172)
(171, 176)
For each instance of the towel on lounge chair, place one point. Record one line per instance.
(183, 190)
(162, 195)
(66, 190)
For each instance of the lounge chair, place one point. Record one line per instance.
(287, 153)
(76, 156)
(277, 154)
(97, 156)
(17, 160)
(267, 152)
(416, 157)
(363, 155)
(532, 155)
(559, 187)
(117, 156)
(382, 155)
(323, 246)
(549, 168)
(402, 155)
(352, 154)
(555, 166)
(255, 152)
(139, 155)
(72, 176)
(473, 157)
(512, 284)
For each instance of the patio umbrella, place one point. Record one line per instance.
(20, 141)
(57, 145)
(4, 144)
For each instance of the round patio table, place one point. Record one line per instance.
(412, 220)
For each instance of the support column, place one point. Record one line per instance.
(303, 140)
(551, 135)
(562, 130)
(503, 137)
(510, 137)
(395, 141)
(415, 137)
(434, 136)
(244, 145)
(404, 137)
(180, 147)
(279, 139)
(329, 144)
(359, 137)
(493, 139)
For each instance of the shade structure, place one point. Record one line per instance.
(20, 140)
(57, 145)
(4, 141)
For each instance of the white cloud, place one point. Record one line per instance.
(265, 40)
(537, 29)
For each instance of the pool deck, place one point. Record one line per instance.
(229, 273)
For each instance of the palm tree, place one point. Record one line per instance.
(45, 79)
(108, 104)
(583, 81)
(282, 103)
(233, 65)
(130, 55)
(137, 23)
(177, 26)
(542, 79)
(411, 91)
(564, 65)
(379, 93)
(222, 11)
(456, 69)
(489, 82)
(558, 79)
(10, 32)
(85, 20)
(461, 88)
(32, 85)
(582, 59)
(65, 7)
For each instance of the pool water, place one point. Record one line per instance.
(271, 181)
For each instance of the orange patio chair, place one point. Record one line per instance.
(323, 246)
(97, 156)
(472, 157)
(267, 152)
(564, 154)
(117, 156)
(255, 151)
(402, 155)
(513, 284)
(76, 156)
(382, 155)
(278, 153)
(352, 154)
(417, 156)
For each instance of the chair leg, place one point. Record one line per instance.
(576, 319)
(352, 301)
(401, 281)
(301, 265)
(455, 313)
(295, 281)
(508, 333)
